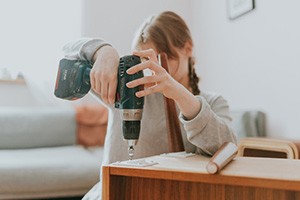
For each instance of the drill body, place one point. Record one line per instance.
(73, 82)
(130, 105)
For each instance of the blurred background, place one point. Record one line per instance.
(253, 60)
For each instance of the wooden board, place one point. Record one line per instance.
(186, 178)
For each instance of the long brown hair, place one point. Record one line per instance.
(168, 31)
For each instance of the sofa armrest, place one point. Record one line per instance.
(32, 127)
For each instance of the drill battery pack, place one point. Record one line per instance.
(73, 79)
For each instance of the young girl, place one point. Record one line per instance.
(204, 117)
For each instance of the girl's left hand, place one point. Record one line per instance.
(160, 80)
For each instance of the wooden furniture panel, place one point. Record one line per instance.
(132, 188)
(268, 147)
(186, 178)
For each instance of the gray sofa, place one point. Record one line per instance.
(39, 156)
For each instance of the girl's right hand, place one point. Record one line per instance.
(160, 81)
(103, 75)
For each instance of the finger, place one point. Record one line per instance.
(148, 53)
(142, 81)
(150, 90)
(92, 80)
(112, 92)
(95, 83)
(149, 85)
(145, 65)
(98, 86)
(104, 89)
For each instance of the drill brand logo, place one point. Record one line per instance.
(65, 73)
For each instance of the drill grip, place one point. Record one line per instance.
(125, 97)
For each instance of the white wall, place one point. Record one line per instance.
(254, 60)
(32, 35)
(116, 21)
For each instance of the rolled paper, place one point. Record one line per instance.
(222, 157)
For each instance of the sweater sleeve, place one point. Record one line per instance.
(211, 127)
(83, 49)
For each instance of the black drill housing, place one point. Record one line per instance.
(73, 82)
(125, 97)
(127, 101)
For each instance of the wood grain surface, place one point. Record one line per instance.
(186, 178)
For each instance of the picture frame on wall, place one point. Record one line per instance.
(237, 8)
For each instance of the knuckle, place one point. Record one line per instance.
(112, 76)
(142, 80)
(151, 90)
(102, 77)
(111, 96)
(104, 94)
(151, 50)
(111, 99)
(152, 63)
(147, 79)
(92, 73)
(104, 99)
(165, 75)
(150, 78)
(143, 92)
(96, 74)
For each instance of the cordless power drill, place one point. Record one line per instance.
(73, 82)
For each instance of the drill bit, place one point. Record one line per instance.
(130, 152)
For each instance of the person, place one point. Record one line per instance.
(204, 116)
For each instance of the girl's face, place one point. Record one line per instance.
(178, 67)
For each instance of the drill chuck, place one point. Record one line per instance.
(131, 130)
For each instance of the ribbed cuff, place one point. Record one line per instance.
(88, 50)
(201, 119)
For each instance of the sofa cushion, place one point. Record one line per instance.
(91, 124)
(31, 127)
(48, 172)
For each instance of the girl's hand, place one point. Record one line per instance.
(160, 80)
(104, 72)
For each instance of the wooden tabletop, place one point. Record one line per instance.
(242, 171)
